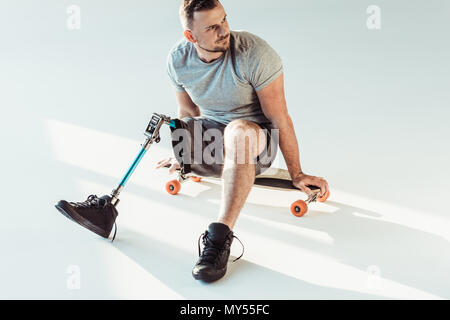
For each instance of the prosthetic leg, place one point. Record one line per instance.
(152, 134)
(99, 214)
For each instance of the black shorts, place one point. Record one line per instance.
(190, 156)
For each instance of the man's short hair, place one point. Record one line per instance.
(188, 7)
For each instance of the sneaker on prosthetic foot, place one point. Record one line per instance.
(212, 264)
(95, 214)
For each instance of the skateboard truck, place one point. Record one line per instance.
(300, 207)
(174, 186)
(152, 134)
(313, 197)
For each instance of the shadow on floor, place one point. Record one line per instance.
(244, 280)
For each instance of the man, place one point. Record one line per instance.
(228, 82)
(231, 81)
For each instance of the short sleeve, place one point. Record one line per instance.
(264, 64)
(172, 74)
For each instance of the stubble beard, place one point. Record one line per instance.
(222, 48)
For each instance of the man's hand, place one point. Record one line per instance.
(174, 165)
(302, 181)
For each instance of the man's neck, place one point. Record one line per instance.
(207, 56)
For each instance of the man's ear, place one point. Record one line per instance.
(188, 35)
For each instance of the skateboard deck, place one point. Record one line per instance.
(272, 178)
(275, 178)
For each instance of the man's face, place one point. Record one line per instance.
(210, 29)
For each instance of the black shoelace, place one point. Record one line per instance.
(211, 250)
(91, 201)
(94, 201)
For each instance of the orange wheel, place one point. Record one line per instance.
(196, 179)
(173, 187)
(299, 208)
(324, 197)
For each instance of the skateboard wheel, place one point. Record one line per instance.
(324, 197)
(173, 187)
(299, 208)
(196, 179)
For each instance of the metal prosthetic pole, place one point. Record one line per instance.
(152, 134)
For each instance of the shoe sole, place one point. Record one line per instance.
(207, 279)
(65, 208)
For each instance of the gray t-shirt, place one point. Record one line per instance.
(225, 89)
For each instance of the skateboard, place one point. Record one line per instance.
(272, 178)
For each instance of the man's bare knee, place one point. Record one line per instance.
(244, 141)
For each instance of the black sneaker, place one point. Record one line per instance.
(212, 264)
(95, 214)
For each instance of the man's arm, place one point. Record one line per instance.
(273, 104)
(186, 107)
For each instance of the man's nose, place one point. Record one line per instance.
(223, 30)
